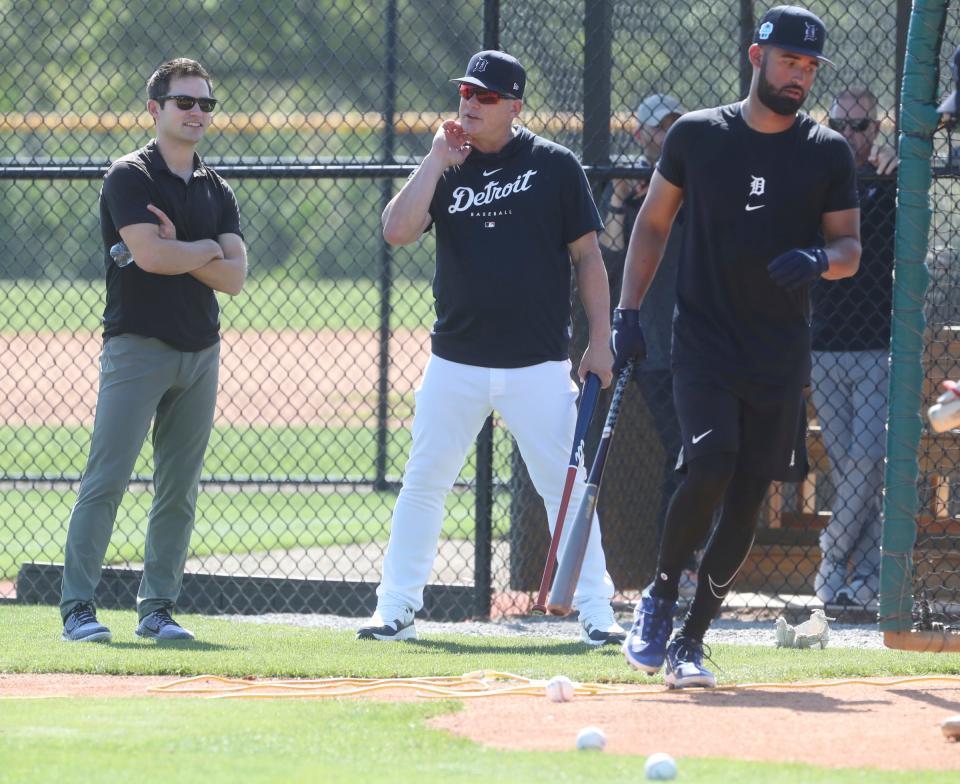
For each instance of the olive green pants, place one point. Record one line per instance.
(143, 379)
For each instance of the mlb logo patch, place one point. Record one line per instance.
(489, 224)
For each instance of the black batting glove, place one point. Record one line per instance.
(626, 339)
(798, 267)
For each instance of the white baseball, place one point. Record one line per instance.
(559, 689)
(950, 727)
(660, 767)
(591, 739)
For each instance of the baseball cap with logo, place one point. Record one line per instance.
(794, 29)
(497, 71)
(949, 104)
(654, 108)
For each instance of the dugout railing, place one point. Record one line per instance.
(323, 116)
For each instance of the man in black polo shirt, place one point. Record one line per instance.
(759, 183)
(511, 212)
(180, 222)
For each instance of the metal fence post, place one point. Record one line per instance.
(747, 23)
(483, 543)
(386, 252)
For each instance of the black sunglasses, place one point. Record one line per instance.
(186, 102)
(861, 124)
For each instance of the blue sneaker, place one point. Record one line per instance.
(158, 625)
(685, 664)
(81, 625)
(646, 645)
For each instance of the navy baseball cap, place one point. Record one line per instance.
(949, 104)
(795, 29)
(497, 71)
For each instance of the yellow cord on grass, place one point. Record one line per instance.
(481, 683)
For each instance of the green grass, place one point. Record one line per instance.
(41, 307)
(29, 642)
(34, 527)
(278, 453)
(191, 740)
(234, 452)
(194, 740)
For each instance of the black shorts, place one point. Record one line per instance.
(764, 425)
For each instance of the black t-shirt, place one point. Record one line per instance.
(503, 222)
(749, 197)
(853, 314)
(178, 309)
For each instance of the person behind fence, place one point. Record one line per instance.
(760, 182)
(511, 211)
(949, 111)
(179, 226)
(849, 377)
(654, 116)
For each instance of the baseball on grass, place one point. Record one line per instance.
(944, 415)
(559, 689)
(660, 767)
(591, 739)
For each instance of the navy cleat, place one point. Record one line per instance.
(685, 665)
(158, 625)
(81, 625)
(646, 645)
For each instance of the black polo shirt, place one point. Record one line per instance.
(853, 314)
(177, 309)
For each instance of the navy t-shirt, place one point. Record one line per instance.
(177, 309)
(503, 222)
(853, 314)
(749, 197)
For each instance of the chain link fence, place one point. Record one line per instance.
(323, 111)
(936, 556)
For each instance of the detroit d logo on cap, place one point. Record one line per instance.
(480, 66)
(765, 30)
(809, 32)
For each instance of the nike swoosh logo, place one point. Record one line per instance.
(699, 438)
(752, 207)
(492, 171)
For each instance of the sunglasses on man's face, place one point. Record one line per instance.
(468, 91)
(186, 102)
(860, 124)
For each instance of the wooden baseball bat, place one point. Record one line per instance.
(568, 570)
(588, 403)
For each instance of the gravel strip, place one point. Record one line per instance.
(723, 631)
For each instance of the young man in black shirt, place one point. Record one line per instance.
(511, 212)
(760, 184)
(180, 223)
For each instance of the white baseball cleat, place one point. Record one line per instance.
(393, 623)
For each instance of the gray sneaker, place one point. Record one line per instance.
(81, 625)
(158, 625)
(830, 580)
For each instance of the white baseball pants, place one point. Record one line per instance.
(538, 404)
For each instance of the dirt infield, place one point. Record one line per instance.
(325, 377)
(851, 725)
